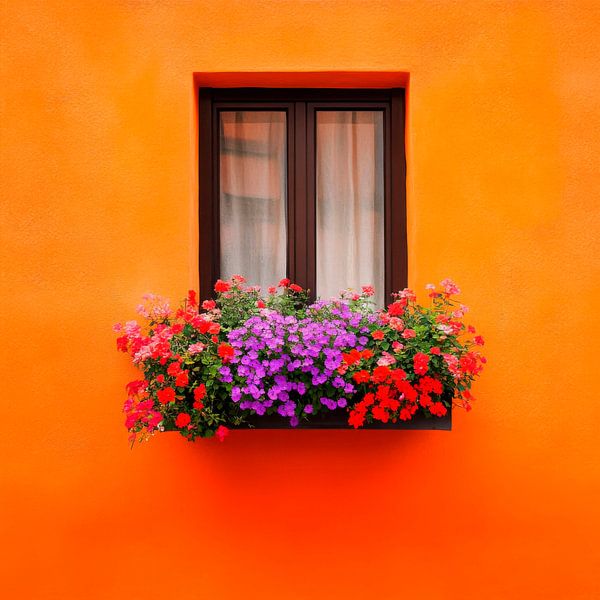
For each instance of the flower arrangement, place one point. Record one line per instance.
(210, 366)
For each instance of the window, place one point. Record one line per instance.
(303, 183)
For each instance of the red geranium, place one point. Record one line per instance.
(182, 420)
(222, 286)
(421, 363)
(165, 396)
(225, 352)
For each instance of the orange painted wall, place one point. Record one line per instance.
(98, 184)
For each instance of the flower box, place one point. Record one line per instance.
(339, 420)
(280, 361)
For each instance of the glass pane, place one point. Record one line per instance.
(350, 202)
(253, 195)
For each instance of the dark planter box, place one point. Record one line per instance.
(338, 419)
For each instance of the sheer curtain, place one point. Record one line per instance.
(350, 202)
(253, 195)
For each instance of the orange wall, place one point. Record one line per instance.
(99, 206)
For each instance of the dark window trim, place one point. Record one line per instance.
(300, 106)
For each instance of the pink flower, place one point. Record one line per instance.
(450, 287)
(408, 294)
(221, 433)
(397, 346)
(408, 334)
(196, 348)
(396, 324)
(386, 360)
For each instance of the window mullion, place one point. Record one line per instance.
(299, 235)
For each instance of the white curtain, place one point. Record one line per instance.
(350, 202)
(253, 195)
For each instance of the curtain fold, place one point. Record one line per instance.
(350, 201)
(253, 195)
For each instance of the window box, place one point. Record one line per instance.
(247, 360)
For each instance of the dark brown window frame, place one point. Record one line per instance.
(300, 106)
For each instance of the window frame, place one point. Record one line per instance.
(300, 105)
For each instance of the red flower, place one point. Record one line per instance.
(380, 374)
(134, 387)
(165, 396)
(222, 286)
(214, 328)
(408, 333)
(378, 334)
(225, 351)
(272, 290)
(438, 409)
(122, 343)
(192, 301)
(352, 357)
(425, 400)
(182, 420)
(421, 362)
(381, 414)
(479, 340)
(398, 375)
(428, 384)
(368, 290)
(199, 394)
(284, 283)
(221, 433)
(356, 419)
(203, 326)
(174, 369)
(396, 309)
(182, 379)
(405, 414)
(209, 305)
(468, 363)
(368, 400)
(435, 350)
(260, 304)
(361, 376)
(295, 288)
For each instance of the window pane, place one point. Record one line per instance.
(253, 195)
(350, 202)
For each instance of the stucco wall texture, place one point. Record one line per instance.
(99, 183)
